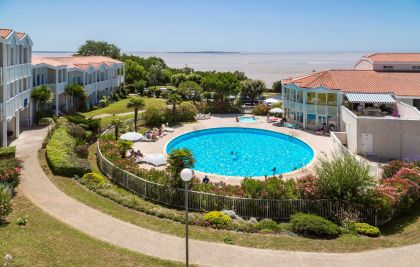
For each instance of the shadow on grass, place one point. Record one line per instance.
(399, 224)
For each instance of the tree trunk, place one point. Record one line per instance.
(116, 132)
(135, 119)
(173, 111)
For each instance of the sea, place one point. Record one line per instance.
(266, 66)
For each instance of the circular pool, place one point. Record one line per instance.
(247, 119)
(245, 152)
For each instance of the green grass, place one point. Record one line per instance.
(403, 231)
(106, 121)
(45, 241)
(121, 106)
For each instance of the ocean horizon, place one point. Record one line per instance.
(266, 66)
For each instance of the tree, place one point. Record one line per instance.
(135, 103)
(252, 89)
(190, 89)
(153, 117)
(139, 86)
(77, 95)
(240, 75)
(174, 99)
(277, 86)
(123, 146)
(99, 48)
(156, 75)
(133, 72)
(179, 78)
(222, 83)
(179, 159)
(40, 95)
(116, 123)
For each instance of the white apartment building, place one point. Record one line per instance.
(99, 76)
(15, 82)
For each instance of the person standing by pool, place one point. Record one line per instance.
(237, 118)
(206, 179)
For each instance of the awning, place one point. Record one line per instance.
(371, 98)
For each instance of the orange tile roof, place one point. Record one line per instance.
(20, 35)
(80, 62)
(362, 81)
(4, 33)
(394, 57)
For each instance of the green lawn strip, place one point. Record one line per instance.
(106, 121)
(45, 241)
(406, 233)
(121, 106)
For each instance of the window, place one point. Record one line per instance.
(415, 67)
(388, 67)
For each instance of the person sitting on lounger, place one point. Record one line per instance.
(138, 153)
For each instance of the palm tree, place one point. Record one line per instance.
(40, 95)
(174, 99)
(75, 91)
(135, 103)
(124, 145)
(116, 123)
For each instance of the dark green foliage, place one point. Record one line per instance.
(260, 110)
(179, 159)
(252, 89)
(309, 224)
(7, 152)
(153, 117)
(277, 86)
(99, 48)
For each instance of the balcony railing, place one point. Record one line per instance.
(17, 72)
(17, 102)
(1, 75)
(1, 112)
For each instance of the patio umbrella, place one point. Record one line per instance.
(131, 136)
(155, 159)
(276, 110)
(271, 101)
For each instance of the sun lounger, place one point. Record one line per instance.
(166, 128)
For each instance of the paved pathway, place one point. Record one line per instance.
(42, 192)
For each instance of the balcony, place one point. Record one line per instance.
(17, 102)
(59, 89)
(1, 112)
(16, 72)
(1, 75)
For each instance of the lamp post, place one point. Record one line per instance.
(186, 175)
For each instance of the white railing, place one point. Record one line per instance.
(15, 103)
(1, 112)
(17, 72)
(1, 75)
(90, 88)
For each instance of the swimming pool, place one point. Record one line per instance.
(247, 119)
(245, 152)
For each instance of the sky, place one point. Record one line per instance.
(218, 25)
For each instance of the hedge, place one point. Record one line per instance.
(61, 155)
(310, 224)
(7, 152)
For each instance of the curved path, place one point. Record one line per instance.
(41, 191)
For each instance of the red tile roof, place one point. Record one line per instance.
(394, 57)
(362, 81)
(20, 35)
(4, 33)
(80, 62)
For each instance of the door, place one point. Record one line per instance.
(367, 144)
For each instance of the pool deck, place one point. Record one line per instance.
(322, 145)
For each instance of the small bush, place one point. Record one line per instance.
(5, 201)
(22, 221)
(93, 181)
(153, 117)
(45, 121)
(7, 152)
(82, 151)
(366, 229)
(268, 224)
(10, 172)
(218, 219)
(309, 224)
(260, 110)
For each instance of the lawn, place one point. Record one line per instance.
(45, 241)
(403, 231)
(121, 106)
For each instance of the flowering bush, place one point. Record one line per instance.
(5, 202)
(307, 187)
(217, 218)
(10, 171)
(366, 229)
(392, 168)
(409, 174)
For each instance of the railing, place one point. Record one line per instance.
(1, 75)
(15, 103)
(245, 207)
(1, 112)
(16, 72)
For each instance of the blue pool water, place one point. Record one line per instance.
(243, 151)
(247, 119)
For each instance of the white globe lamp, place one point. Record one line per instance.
(186, 175)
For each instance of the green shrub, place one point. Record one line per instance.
(45, 121)
(217, 218)
(268, 224)
(179, 159)
(367, 229)
(343, 177)
(153, 117)
(186, 112)
(260, 110)
(309, 224)
(7, 152)
(61, 155)
(5, 201)
(22, 221)
(93, 180)
(392, 168)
